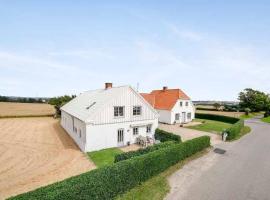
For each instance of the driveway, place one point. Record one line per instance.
(243, 172)
(35, 152)
(187, 134)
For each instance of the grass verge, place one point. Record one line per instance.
(157, 187)
(250, 115)
(211, 126)
(266, 119)
(104, 157)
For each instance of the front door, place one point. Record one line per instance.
(183, 117)
(177, 117)
(120, 137)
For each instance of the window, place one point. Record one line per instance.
(119, 111)
(137, 110)
(75, 129)
(186, 103)
(189, 115)
(181, 103)
(148, 128)
(135, 131)
(80, 132)
(177, 116)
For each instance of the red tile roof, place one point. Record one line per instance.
(164, 99)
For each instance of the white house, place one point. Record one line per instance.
(109, 117)
(173, 105)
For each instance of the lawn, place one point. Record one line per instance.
(157, 187)
(103, 157)
(210, 126)
(266, 119)
(250, 115)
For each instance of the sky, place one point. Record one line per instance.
(210, 49)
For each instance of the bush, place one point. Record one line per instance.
(131, 154)
(220, 118)
(235, 130)
(164, 136)
(267, 114)
(108, 182)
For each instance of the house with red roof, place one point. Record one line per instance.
(172, 105)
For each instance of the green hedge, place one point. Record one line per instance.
(235, 129)
(131, 154)
(209, 109)
(164, 136)
(110, 181)
(221, 118)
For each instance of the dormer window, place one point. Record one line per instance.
(187, 103)
(181, 103)
(119, 111)
(137, 110)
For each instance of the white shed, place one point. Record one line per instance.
(109, 117)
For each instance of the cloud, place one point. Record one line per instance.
(184, 33)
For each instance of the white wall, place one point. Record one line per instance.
(105, 136)
(165, 116)
(67, 124)
(180, 109)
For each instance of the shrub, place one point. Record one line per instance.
(267, 114)
(221, 118)
(110, 181)
(247, 111)
(164, 136)
(235, 130)
(131, 154)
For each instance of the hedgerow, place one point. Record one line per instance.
(164, 136)
(235, 129)
(108, 182)
(131, 154)
(221, 118)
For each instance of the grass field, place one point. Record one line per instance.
(8, 109)
(104, 157)
(266, 119)
(224, 113)
(210, 126)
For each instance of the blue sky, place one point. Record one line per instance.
(210, 49)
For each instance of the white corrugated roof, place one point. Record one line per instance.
(85, 106)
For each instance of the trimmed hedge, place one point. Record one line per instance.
(164, 136)
(108, 182)
(220, 118)
(139, 152)
(235, 129)
(209, 109)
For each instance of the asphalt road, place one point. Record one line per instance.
(242, 173)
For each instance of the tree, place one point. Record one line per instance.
(217, 106)
(58, 102)
(254, 99)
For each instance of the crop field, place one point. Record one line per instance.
(224, 113)
(35, 152)
(8, 109)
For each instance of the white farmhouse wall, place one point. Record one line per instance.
(180, 109)
(105, 135)
(128, 99)
(79, 136)
(165, 116)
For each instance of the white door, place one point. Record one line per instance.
(183, 117)
(120, 137)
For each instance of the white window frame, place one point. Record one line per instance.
(149, 128)
(135, 132)
(116, 111)
(137, 111)
(187, 103)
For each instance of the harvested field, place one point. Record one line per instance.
(8, 109)
(35, 152)
(229, 114)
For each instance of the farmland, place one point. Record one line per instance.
(224, 113)
(25, 109)
(35, 152)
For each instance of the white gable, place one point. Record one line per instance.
(97, 106)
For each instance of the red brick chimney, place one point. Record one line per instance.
(108, 85)
(165, 88)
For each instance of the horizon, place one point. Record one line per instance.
(210, 50)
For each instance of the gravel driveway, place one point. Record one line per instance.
(187, 134)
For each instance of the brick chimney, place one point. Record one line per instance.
(108, 85)
(165, 88)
